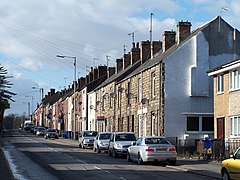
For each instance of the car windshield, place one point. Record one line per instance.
(51, 130)
(156, 141)
(125, 137)
(90, 134)
(105, 136)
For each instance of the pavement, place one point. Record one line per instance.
(205, 168)
(5, 172)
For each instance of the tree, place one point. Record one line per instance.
(5, 94)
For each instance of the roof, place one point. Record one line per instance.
(224, 67)
(161, 56)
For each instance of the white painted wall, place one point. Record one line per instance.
(70, 106)
(91, 110)
(188, 89)
(84, 106)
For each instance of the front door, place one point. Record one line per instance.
(220, 128)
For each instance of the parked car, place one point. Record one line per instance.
(152, 149)
(28, 125)
(35, 129)
(40, 131)
(86, 138)
(119, 142)
(230, 168)
(51, 133)
(101, 142)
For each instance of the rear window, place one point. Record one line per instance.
(90, 134)
(156, 141)
(105, 136)
(125, 137)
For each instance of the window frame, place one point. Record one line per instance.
(220, 84)
(235, 126)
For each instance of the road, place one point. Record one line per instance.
(36, 158)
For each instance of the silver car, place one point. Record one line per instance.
(101, 142)
(86, 138)
(152, 149)
(119, 142)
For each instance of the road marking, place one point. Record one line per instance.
(123, 178)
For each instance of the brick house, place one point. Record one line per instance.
(226, 100)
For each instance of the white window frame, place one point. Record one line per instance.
(220, 84)
(235, 126)
(139, 89)
(153, 78)
(234, 80)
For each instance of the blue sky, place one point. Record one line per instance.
(34, 32)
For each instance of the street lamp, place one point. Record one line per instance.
(74, 91)
(41, 96)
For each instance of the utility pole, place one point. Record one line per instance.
(151, 15)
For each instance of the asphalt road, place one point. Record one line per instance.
(35, 158)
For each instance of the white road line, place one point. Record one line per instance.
(97, 167)
(123, 178)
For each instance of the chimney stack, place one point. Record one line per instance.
(135, 53)
(183, 30)
(157, 46)
(145, 51)
(52, 91)
(119, 65)
(91, 75)
(168, 39)
(111, 71)
(95, 74)
(102, 71)
(126, 60)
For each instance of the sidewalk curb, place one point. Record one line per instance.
(193, 171)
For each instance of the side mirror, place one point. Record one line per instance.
(133, 143)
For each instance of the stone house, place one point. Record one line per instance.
(171, 94)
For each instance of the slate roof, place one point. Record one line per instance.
(162, 56)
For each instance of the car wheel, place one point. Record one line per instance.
(115, 155)
(139, 159)
(172, 163)
(225, 175)
(128, 157)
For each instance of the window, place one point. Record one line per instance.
(128, 92)
(192, 123)
(153, 84)
(207, 124)
(220, 84)
(235, 126)
(234, 79)
(139, 90)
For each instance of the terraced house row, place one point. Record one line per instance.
(158, 88)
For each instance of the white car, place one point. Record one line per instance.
(152, 149)
(101, 142)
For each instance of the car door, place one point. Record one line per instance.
(135, 149)
(234, 168)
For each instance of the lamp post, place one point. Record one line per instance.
(74, 91)
(41, 97)
(28, 103)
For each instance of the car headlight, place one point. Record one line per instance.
(118, 146)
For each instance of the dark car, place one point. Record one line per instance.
(51, 133)
(40, 131)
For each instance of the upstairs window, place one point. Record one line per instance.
(139, 90)
(153, 78)
(234, 80)
(220, 84)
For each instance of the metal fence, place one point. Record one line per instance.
(215, 149)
